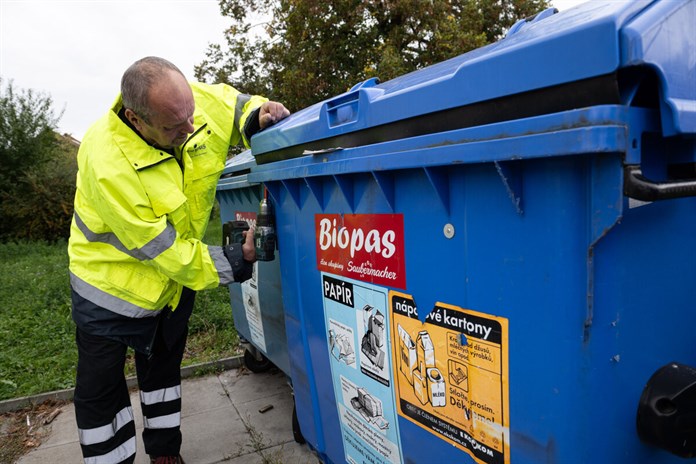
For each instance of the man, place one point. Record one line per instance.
(146, 185)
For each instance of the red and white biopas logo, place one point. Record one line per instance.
(367, 247)
(249, 217)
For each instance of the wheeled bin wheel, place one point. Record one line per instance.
(256, 363)
(296, 432)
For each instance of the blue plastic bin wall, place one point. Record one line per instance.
(257, 305)
(475, 265)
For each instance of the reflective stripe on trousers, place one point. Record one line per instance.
(102, 435)
(154, 401)
(106, 432)
(124, 453)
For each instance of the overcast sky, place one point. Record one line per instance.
(75, 51)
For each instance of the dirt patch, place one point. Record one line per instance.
(25, 429)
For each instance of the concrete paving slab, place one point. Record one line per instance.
(64, 454)
(137, 413)
(208, 437)
(243, 385)
(221, 423)
(60, 445)
(273, 427)
(209, 394)
(287, 453)
(63, 429)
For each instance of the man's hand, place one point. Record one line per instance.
(248, 247)
(271, 112)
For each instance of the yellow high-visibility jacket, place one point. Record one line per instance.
(140, 213)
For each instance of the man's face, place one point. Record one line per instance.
(172, 107)
(166, 132)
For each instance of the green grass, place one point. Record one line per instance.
(37, 332)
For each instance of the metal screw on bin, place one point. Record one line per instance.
(448, 230)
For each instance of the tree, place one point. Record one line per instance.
(308, 50)
(37, 181)
(27, 125)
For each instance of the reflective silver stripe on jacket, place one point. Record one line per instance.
(116, 455)
(105, 300)
(242, 99)
(160, 396)
(222, 264)
(106, 432)
(151, 250)
(163, 422)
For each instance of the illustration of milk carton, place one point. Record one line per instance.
(436, 387)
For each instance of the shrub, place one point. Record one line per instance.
(40, 206)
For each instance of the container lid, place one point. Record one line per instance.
(236, 170)
(546, 64)
(238, 163)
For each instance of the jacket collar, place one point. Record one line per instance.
(137, 151)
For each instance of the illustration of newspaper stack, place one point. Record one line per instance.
(417, 364)
(370, 408)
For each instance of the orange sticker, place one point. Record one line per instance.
(451, 376)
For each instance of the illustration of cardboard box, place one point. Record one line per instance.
(407, 354)
(420, 387)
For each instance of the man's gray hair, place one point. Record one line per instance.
(139, 79)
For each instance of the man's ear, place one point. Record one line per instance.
(133, 118)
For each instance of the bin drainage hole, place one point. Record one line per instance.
(665, 406)
(448, 230)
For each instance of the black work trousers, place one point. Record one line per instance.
(103, 409)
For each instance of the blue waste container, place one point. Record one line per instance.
(493, 259)
(257, 304)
